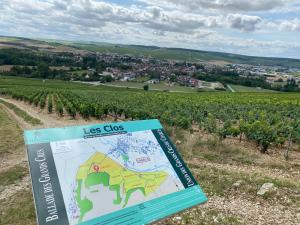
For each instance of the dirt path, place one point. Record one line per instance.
(45, 119)
(22, 124)
(48, 120)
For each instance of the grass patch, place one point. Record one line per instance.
(297, 74)
(142, 79)
(240, 88)
(18, 210)
(10, 135)
(175, 133)
(79, 72)
(213, 181)
(12, 175)
(212, 149)
(282, 165)
(215, 151)
(21, 113)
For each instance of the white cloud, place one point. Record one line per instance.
(223, 5)
(216, 24)
(290, 25)
(97, 14)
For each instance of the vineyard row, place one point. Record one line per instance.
(268, 119)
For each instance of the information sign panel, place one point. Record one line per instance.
(105, 174)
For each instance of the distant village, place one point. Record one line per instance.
(132, 68)
(108, 67)
(272, 74)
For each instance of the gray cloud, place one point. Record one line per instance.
(243, 22)
(60, 5)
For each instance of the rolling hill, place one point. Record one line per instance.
(152, 51)
(187, 54)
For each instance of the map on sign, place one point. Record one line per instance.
(128, 169)
(121, 173)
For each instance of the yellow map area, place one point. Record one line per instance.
(100, 169)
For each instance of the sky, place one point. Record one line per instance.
(250, 27)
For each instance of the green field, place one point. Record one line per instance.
(297, 74)
(8, 39)
(79, 72)
(240, 88)
(161, 86)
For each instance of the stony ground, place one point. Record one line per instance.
(230, 172)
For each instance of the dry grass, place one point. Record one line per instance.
(10, 135)
(12, 175)
(18, 210)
